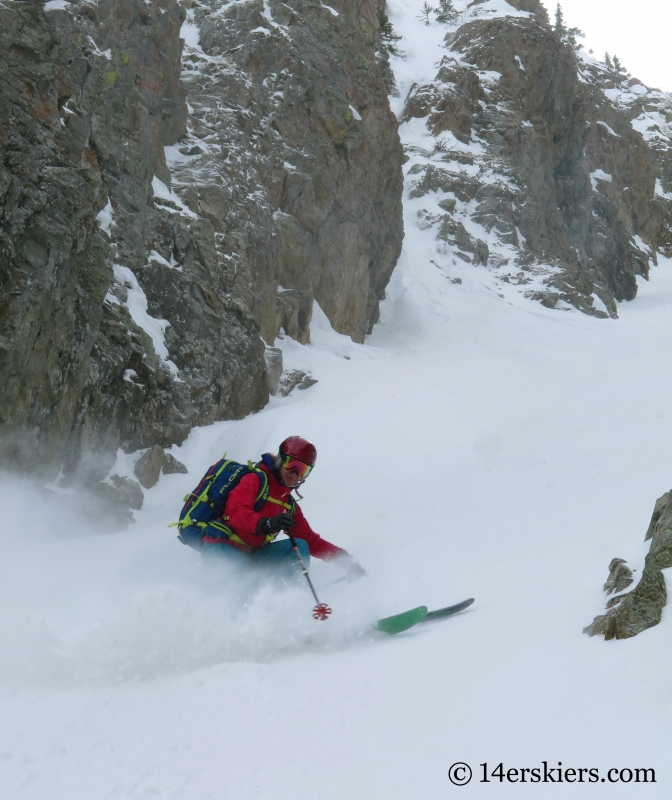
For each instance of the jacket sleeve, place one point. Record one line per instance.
(240, 511)
(319, 547)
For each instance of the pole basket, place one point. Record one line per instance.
(321, 611)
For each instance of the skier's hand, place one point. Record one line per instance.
(354, 572)
(279, 522)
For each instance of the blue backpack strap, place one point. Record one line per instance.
(264, 488)
(218, 529)
(262, 494)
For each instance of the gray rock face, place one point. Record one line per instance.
(297, 162)
(128, 492)
(141, 251)
(148, 467)
(295, 379)
(661, 511)
(107, 505)
(533, 6)
(562, 180)
(620, 576)
(171, 466)
(631, 613)
(273, 368)
(91, 96)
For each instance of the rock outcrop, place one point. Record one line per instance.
(166, 208)
(152, 463)
(311, 157)
(633, 612)
(620, 576)
(549, 166)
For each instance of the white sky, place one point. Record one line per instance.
(638, 33)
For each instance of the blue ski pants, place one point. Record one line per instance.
(278, 558)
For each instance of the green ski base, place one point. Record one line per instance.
(408, 619)
(401, 622)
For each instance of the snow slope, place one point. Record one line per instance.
(476, 445)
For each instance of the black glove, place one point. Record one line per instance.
(280, 522)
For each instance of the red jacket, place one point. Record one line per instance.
(243, 518)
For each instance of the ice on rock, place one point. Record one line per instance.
(137, 308)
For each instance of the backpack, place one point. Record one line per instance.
(206, 503)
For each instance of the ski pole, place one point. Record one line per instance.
(331, 583)
(321, 610)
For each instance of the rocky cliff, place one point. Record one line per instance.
(166, 207)
(552, 170)
(630, 613)
(179, 182)
(548, 166)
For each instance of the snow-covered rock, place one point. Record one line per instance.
(173, 167)
(629, 613)
(549, 166)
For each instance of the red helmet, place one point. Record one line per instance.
(299, 448)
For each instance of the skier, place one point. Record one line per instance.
(246, 536)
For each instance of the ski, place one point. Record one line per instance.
(440, 613)
(401, 622)
(416, 616)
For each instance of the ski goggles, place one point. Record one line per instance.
(292, 464)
